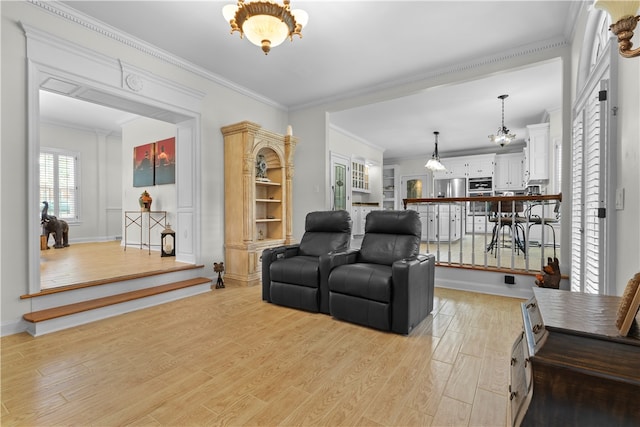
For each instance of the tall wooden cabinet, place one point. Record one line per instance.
(258, 172)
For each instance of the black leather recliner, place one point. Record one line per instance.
(386, 284)
(296, 275)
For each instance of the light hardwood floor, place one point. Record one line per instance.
(228, 358)
(85, 262)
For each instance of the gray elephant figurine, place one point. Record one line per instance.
(52, 225)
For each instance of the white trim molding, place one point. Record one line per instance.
(91, 76)
(65, 12)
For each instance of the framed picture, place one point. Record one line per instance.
(165, 165)
(143, 170)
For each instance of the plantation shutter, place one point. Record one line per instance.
(594, 183)
(58, 183)
(47, 178)
(67, 187)
(577, 205)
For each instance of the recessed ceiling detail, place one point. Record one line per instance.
(59, 86)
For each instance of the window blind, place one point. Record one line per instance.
(576, 208)
(59, 183)
(592, 194)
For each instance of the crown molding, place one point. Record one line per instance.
(71, 15)
(475, 63)
(68, 13)
(355, 137)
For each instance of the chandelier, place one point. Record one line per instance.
(434, 163)
(502, 137)
(265, 23)
(624, 15)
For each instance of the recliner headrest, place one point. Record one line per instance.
(326, 231)
(394, 222)
(328, 221)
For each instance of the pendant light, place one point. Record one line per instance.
(434, 163)
(502, 137)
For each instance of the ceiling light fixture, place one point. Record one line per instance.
(623, 13)
(502, 137)
(434, 163)
(265, 23)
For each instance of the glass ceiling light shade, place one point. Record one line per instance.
(623, 14)
(265, 23)
(434, 163)
(502, 137)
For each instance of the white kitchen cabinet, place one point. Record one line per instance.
(450, 221)
(479, 224)
(358, 218)
(390, 187)
(537, 154)
(440, 222)
(359, 176)
(456, 168)
(509, 172)
(481, 166)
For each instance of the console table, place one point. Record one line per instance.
(154, 218)
(570, 366)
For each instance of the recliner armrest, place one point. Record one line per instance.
(284, 251)
(413, 284)
(269, 256)
(336, 259)
(327, 263)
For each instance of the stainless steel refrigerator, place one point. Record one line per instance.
(453, 187)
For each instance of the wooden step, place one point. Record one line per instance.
(109, 280)
(65, 310)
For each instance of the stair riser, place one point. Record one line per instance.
(57, 324)
(93, 292)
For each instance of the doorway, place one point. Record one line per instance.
(414, 186)
(56, 66)
(340, 182)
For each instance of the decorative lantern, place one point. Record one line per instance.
(168, 242)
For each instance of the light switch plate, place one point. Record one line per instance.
(619, 199)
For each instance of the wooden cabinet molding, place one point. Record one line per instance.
(259, 215)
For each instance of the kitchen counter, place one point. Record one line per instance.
(376, 204)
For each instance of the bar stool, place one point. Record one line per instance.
(541, 221)
(507, 216)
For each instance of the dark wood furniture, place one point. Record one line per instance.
(570, 366)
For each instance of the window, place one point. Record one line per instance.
(592, 150)
(59, 183)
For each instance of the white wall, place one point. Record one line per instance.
(113, 186)
(342, 143)
(311, 166)
(134, 133)
(627, 239)
(93, 219)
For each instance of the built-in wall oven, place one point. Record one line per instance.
(479, 187)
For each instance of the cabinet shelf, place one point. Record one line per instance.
(389, 187)
(257, 208)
